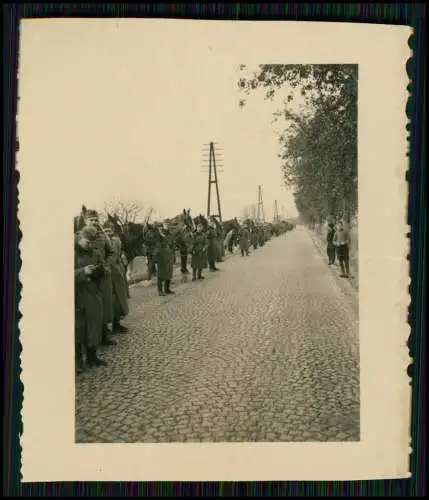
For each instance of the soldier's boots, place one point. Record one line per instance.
(151, 270)
(93, 359)
(80, 367)
(167, 288)
(105, 338)
(160, 289)
(184, 259)
(345, 271)
(118, 328)
(213, 267)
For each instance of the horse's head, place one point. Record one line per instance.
(78, 223)
(134, 231)
(79, 220)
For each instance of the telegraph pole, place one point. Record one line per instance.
(261, 213)
(213, 179)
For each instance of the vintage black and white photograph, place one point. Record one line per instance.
(210, 274)
(216, 276)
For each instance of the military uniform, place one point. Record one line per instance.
(164, 258)
(105, 251)
(120, 290)
(212, 248)
(219, 243)
(261, 237)
(183, 244)
(150, 244)
(88, 301)
(341, 241)
(330, 249)
(254, 238)
(198, 248)
(244, 241)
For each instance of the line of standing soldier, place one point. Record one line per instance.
(204, 246)
(101, 290)
(246, 236)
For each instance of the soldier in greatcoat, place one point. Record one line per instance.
(219, 239)
(261, 236)
(212, 246)
(198, 249)
(89, 271)
(244, 241)
(119, 280)
(150, 239)
(330, 247)
(164, 258)
(341, 241)
(254, 237)
(220, 243)
(105, 250)
(183, 241)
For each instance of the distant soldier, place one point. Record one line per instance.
(182, 242)
(341, 241)
(119, 280)
(261, 236)
(330, 250)
(244, 241)
(105, 250)
(220, 249)
(164, 258)
(254, 237)
(150, 239)
(212, 246)
(89, 272)
(198, 248)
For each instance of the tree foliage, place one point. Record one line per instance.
(318, 147)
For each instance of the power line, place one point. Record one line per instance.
(213, 179)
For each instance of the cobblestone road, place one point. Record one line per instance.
(264, 350)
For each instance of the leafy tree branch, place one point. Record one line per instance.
(318, 145)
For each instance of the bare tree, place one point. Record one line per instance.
(128, 211)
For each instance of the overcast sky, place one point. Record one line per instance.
(131, 120)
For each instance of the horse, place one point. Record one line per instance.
(79, 220)
(231, 226)
(132, 237)
(200, 219)
(78, 223)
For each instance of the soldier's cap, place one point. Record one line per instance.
(89, 233)
(89, 214)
